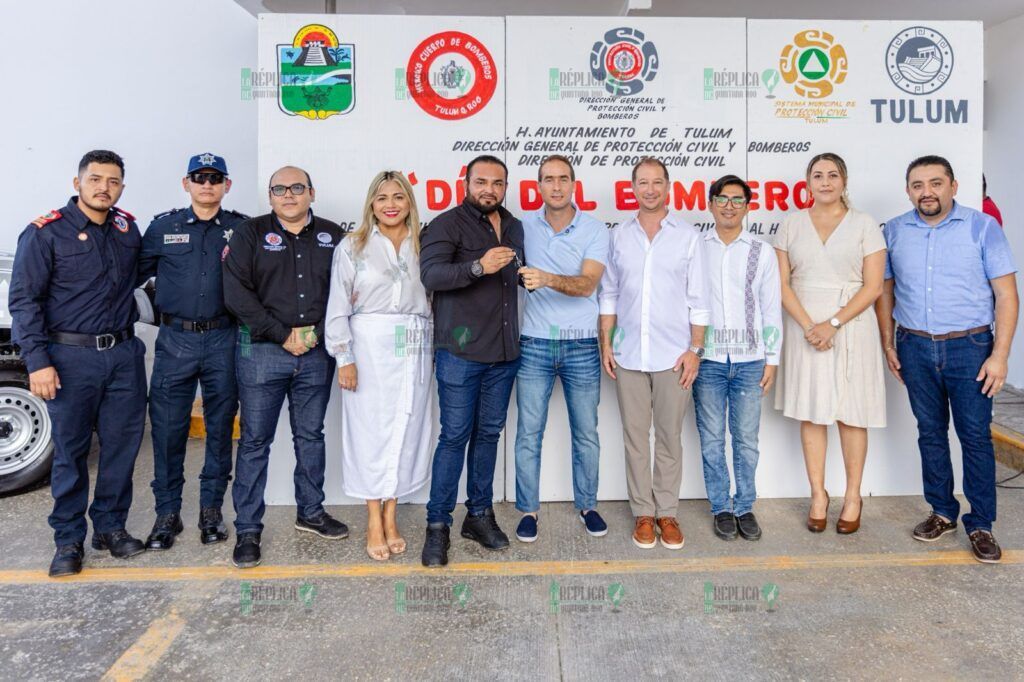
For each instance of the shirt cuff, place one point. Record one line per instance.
(608, 305)
(700, 317)
(36, 360)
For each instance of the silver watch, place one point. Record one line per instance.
(698, 351)
(476, 268)
(836, 324)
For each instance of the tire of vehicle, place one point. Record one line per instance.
(26, 443)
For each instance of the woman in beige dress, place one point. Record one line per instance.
(832, 263)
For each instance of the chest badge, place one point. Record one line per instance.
(227, 234)
(273, 242)
(325, 239)
(120, 223)
(176, 238)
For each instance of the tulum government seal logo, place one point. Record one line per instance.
(315, 74)
(451, 75)
(919, 60)
(624, 61)
(814, 63)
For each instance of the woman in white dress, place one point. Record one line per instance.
(379, 329)
(832, 264)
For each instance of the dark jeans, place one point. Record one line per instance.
(941, 375)
(266, 374)
(473, 398)
(182, 360)
(105, 391)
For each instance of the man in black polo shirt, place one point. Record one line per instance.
(277, 270)
(469, 258)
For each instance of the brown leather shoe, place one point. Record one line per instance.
(643, 533)
(848, 527)
(818, 525)
(671, 535)
(933, 528)
(985, 548)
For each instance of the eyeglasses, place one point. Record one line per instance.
(203, 178)
(298, 189)
(737, 202)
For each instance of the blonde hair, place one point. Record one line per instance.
(841, 165)
(412, 221)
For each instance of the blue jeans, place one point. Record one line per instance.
(940, 375)
(722, 386)
(103, 391)
(473, 398)
(266, 374)
(182, 360)
(578, 364)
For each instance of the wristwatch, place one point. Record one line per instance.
(698, 351)
(476, 269)
(835, 322)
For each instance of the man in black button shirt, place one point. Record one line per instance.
(277, 272)
(73, 311)
(469, 258)
(196, 344)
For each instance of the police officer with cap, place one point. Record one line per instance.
(73, 310)
(182, 248)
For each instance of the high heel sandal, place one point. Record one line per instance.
(848, 527)
(818, 525)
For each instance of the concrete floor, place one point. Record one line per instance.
(872, 605)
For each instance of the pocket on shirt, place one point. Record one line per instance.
(77, 259)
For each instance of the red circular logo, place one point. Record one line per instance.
(468, 89)
(624, 61)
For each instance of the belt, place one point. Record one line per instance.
(97, 341)
(198, 326)
(948, 335)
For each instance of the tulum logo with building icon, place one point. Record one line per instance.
(316, 74)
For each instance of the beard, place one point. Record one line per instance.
(930, 211)
(486, 210)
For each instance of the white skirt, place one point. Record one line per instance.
(387, 423)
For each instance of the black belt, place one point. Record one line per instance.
(97, 341)
(948, 335)
(198, 326)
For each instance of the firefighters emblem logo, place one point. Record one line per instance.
(814, 63)
(324, 238)
(451, 75)
(919, 60)
(624, 61)
(315, 74)
(120, 223)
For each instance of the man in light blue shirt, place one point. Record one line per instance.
(566, 251)
(949, 277)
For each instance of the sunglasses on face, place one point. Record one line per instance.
(737, 202)
(297, 189)
(203, 178)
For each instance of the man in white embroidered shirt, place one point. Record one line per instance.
(654, 308)
(741, 356)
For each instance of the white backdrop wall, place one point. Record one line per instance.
(709, 90)
(1004, 145)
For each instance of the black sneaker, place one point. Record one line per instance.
(67, 560)
(120, 544)
(435, 547)
(211, 526)
(483, 528)
(247, 551)
(165, 529)
(750, 529)
(324, 525)
(724, 526)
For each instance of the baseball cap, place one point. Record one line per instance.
(207, 160)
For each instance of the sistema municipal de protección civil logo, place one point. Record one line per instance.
(919, 60)
(624, 60)
(315, 74)
(814, 63)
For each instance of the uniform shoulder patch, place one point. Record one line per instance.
(158, 216)
(123, 213)
(45, 219)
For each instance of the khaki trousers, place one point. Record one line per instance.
(643, 395)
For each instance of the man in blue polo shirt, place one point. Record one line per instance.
(566, 250)
(949, 276)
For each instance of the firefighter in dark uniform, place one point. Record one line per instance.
(196, 345)
(73, 310)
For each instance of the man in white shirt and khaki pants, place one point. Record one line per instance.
(654, 309)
